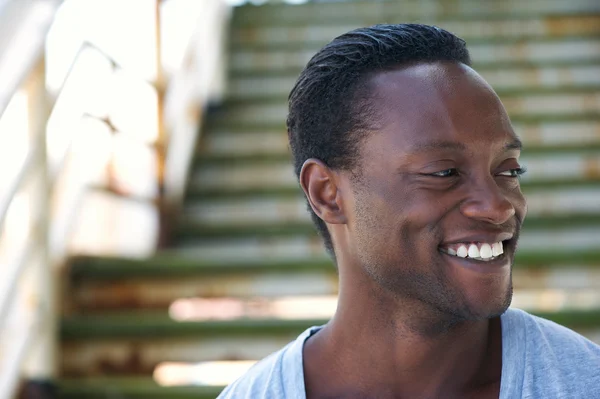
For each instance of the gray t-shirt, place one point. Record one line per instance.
(540, 360)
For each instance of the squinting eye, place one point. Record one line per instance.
(513, 172)
(445, 173)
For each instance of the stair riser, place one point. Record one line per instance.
(154, 294)
(227, 143)
(310, 32)
(582, 49)
(264, 211)
(517, 106)
(540, 168)
(543, 77)
(268, 143)
(303, 247)
(389, 11)
(124, 357)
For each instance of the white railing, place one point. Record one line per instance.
(39, 206)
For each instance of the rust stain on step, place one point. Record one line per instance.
(572, 25)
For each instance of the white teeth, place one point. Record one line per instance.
(486, 251)
(497, 249)
(473, 251)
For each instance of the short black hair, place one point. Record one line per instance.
(329, 108)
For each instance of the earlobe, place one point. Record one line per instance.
(324, 196)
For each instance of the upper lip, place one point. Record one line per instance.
(481, 237)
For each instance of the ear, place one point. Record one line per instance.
(324, 196)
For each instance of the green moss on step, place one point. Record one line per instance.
(141, 325)
(130, 388)
(162, 266)
(174, 265)
(136, 325)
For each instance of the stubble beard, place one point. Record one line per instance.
(427, 301)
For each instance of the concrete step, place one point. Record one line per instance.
(526, 78)
(519, 103)
(548, 50)
(279, 33)
(135, 343)
(391, 11)
(169, 264)
(481, 67)
(269, 143)
(279, 154)
(277, 172)
(266, 225)
(261, 291)
(566, 238)
(278, 213)
(287, 192)
(98, 285)
(130, 388)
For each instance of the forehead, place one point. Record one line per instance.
(439, 102)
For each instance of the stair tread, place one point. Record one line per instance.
(197, 230)
(175, 265)
(250, 15)
(232, 124)
(197, 193)
(234, 102)
(157, 324)
(207, 159)
(130, 388)
(314, 45)
(138, 324)
(477, 65)
(278, 31)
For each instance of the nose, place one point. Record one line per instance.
(487, 202)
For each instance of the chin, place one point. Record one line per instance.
(490, 307)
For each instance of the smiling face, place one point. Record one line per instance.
(439, 174)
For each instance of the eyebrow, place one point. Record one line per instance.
(438, 145)
(516, 144)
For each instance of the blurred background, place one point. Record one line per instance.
(154, 242)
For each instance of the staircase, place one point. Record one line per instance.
(244, 239)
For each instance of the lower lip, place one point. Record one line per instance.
(498, 265)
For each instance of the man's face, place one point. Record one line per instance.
(439, 174)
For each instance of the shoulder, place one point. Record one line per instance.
(277, 376)
(556, 361)
(263, 380)
(562, 340)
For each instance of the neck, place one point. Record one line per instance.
(380, 340)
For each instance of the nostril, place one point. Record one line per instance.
(493, 208)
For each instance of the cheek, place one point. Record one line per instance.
(519, 202)
(388, 223)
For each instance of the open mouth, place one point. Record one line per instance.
(480, 251)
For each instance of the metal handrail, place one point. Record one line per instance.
(21, 178)
(14, 68)
(8, 296)
(182, 126)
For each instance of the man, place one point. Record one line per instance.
(411, 169)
